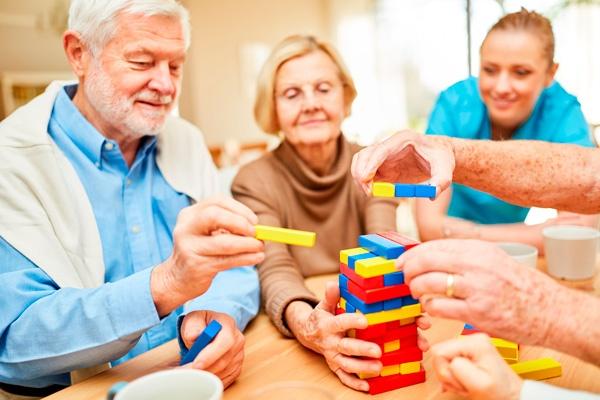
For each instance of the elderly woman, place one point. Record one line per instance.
(304, 94)
(515, 97)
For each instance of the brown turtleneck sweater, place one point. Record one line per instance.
(283, 191)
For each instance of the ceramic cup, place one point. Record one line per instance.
(522, 253)
(571, 251)
(180, 384)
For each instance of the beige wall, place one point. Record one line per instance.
(28, 39)
(213, 96)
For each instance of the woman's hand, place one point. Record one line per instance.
(471, 367)
(322, 331)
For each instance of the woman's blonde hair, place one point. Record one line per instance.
(265, 112)
(529, 21)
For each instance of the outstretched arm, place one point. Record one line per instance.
(530, 173)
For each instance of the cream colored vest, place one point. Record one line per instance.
(44, 210)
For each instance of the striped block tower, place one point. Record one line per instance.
(370, 284)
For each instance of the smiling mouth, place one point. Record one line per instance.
(503, 103)
(152, 104)
(313, 122)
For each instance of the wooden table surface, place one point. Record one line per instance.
(272, 360)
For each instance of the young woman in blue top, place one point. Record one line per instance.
(515, 97)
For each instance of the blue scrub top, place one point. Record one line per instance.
(460, 112)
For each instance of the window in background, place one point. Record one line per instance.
(403, 53)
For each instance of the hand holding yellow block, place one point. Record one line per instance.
(287, 236)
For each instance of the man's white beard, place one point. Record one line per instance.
(119, 110)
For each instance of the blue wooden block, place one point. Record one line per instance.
(343, 281)
(349, 307)
(352, 259)
(381, 246)
(404, 190)
(425, 191)
(207, 336)
(395, 278)
(359, 304)
(408, 300)
(393, 304)
(470, 327)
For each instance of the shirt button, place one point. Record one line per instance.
(135, 229)
(128, 182)
(108, 146)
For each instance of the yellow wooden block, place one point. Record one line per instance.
(407, 321)
(344, 254)
(391, 346)
(363, 375)
(410, 367)
(283, 235)
(390, 370)
(506, 348)
(342, 303)
(375, 266)
(383, 189)
(380, 317)
(511, 360)
(542, 368)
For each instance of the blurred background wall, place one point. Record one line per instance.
(400, 52)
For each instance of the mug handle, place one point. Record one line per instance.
(114, 389)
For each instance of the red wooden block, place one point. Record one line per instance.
(469, 331)
(380, 294)
(406, 342)
(402, 356)
(382, 384)
(339, 311)
(378, 330)
(372, 331)
(400, 239)
(366, 283)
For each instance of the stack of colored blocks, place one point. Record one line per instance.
(370, 284)
(543, 368)
(385, 189)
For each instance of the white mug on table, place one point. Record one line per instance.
(180, 384)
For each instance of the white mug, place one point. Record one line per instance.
(180, 384)
(521, 253)
(571, 251)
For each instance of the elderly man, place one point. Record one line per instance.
(475, 281)
(107, 229)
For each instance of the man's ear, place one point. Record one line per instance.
(78, 54)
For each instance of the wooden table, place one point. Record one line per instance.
(274, 360)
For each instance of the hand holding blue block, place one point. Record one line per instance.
(207, 336)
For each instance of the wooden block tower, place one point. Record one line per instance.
(370, 284)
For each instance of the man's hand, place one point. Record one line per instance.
(225, 354)
(209, 237)
(491, 290)
(472, 367)
(407, 157)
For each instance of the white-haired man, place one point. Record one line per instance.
(107, 229)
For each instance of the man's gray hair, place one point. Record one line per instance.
(96, 20)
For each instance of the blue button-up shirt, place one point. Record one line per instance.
(47, 331)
